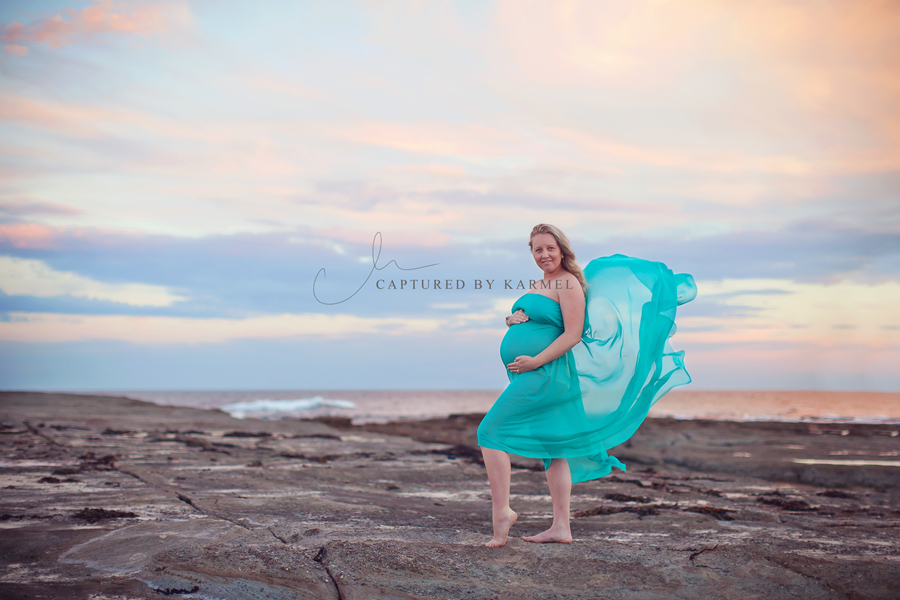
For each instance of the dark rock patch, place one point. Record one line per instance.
(67, 428)
(95, 515)
(248, 434)
(641, 510)
(720, 514)
(92, 462)
(837, 494)
(322, 436)
(473, 455)
(65, 471)
(787, 504)
(177, 591)
(57, 480)
(111, 431)
(627, 498)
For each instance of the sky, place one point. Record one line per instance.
(217, 194)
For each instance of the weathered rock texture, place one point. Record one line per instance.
(115, 498)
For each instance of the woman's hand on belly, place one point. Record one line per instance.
(517, 317)
(523, 364)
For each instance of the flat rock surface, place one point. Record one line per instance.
(116, 498)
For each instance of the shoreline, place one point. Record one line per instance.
(114, 496)
(382, 406)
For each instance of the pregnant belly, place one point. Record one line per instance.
(528, 339)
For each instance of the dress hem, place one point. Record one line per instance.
(611, 461)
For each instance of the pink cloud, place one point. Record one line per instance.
(824, 72)
(37, 236)
(436, 169)
(280, 85)
(15, 49)
(53, 116)
(105, 16)
(24, 206)
(82, 120)
(471, 140)
(389, 238)
(27, 235)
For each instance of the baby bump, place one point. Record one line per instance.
(527, 339)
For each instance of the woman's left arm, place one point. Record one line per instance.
(571, 303)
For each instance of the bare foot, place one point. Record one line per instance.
(556, 535)
(502, 524)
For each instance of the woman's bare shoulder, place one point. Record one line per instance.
(571, 280)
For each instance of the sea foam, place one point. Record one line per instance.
(265, 408)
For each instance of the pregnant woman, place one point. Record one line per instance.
(587, 355)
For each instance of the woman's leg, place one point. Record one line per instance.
(498, 470)
(560, 480)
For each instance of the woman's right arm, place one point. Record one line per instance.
(517, 317)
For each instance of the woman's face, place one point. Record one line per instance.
(546, 252)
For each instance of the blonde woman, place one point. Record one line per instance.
(587, 355)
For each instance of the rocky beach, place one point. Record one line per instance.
(106, 497)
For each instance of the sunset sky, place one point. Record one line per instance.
(173, 175)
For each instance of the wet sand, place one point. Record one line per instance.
(116, 498)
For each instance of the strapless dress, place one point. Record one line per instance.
(596, 395)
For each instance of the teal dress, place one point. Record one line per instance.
(597, 394)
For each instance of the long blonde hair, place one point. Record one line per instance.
(568, 255)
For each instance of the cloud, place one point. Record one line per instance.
(249, 274)
(438, 170)
(84, 120)
(813, 94)
(230, 275)
(16, 49)
(465, 142)
(720, 161)
(281, 85)
(27, 277)
(56, 328)
(28, 235)
(18, 208)
(111, 136)
(806, 250)
(836, 314)
(790, 365)
(83, 305)
(139, 18)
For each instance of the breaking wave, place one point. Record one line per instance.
(264, 408)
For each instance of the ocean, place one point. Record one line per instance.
(368, 406)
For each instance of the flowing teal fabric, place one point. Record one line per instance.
(596, 395)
